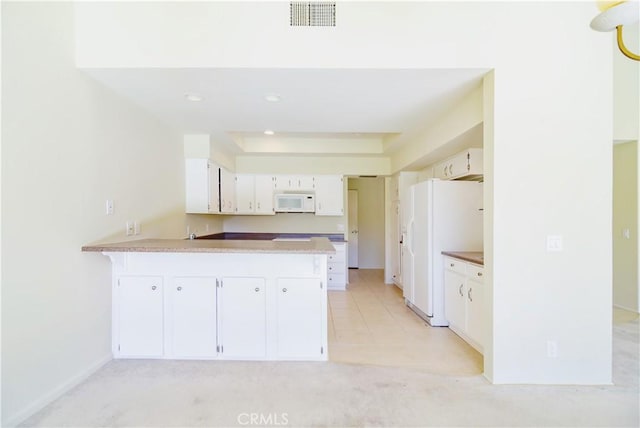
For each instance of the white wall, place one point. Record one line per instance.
(552, 113)
(626, 88)
(68, 144)
(353, 165)
(625, 216)
(371, 221)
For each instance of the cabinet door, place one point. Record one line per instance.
(214, 188)
(329, 195)
(197, 186)
(283, 182)
(193, 317)
(245, 194)
(243, 317)
(299, 316)
(475, 318)
(304, 182)
(264, 194)
(454, 299)
(140, 316)
(227, 191)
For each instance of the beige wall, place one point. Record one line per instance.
(68, 144)
(371, 221)
(285, 223)
(625, 218)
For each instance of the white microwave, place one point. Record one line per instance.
(295, 203)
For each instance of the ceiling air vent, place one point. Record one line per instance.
(312, 14)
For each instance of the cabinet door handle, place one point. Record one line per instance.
(257, 289)
(452, 265)
(250, 206)
(179, 288)
(460, 289)
(258, 205)
(451, 169)
(284, 290)
(153, 287)
(479, 273)
(469, 295)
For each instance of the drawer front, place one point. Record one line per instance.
(338, 257)
(336, 280)
(455, 265)
(335, 268)
(475, 272)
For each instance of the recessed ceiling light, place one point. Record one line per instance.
(272, 98)
(193, 97)
(268, 132)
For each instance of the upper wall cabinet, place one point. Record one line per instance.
(297, 183)
(254, 194)
(329, 195)
(465, 165)
(201, 186)
(227, 191)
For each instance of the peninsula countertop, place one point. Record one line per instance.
(476, 257)
(312, 246)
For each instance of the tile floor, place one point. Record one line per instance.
(370, 324)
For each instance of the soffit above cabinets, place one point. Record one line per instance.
(343, 112)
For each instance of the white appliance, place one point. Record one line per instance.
(295, 203)
(441, 216)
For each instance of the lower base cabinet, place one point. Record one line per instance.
(299, 316)
(463, 284)
(243, 323)
(206, 317)
(193, 317)
(140, 313)
(337, 271)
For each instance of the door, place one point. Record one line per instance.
(353, 229)
(193, 317)
(299, 322)
(243, 318)
(140, 315)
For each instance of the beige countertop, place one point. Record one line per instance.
(476, 257)
(312, 246)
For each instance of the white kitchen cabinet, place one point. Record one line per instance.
(299, 318)
(245, 194)
(227, 191)
(264, 194)
(337, 271)
(329, 195)
(455, 293)
(192, 320)
(139, 315)
(475, 310)
(202, 192)
(243, 325)
(254, 194)
(464, 164)
(463, 300)
(294, 183)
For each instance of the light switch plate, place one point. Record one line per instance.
(554, 243)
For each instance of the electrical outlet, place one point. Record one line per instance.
(130, 228)
(136, 228)
(109, 207)
(552, 349)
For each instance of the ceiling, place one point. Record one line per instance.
(339, 112)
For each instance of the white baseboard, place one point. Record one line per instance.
(625, 308)
(47, 398)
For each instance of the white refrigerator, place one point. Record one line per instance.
(440, 216)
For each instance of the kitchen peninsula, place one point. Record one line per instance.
(219, 299)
